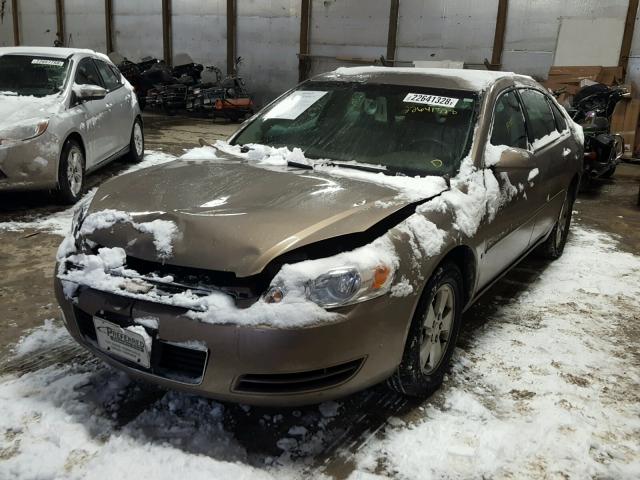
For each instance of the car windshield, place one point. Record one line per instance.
(411, 130)
(32, 75)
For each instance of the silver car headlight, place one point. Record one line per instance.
(341, 286)
(24, 130)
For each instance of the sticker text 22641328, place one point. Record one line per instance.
(434, 100)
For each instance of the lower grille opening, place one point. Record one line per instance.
(281, 383)
(2, 175)
(168, 360)
(180, 363)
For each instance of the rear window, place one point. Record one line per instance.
(541, 121)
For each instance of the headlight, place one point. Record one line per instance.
(341, 286)
(24, 131)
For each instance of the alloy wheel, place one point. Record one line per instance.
(74, 171)
(436, 328)
(138, 139)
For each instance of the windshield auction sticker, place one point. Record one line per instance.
(433, 100)
(295, 104)
(42, 61)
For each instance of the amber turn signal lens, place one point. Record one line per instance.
(380, 276)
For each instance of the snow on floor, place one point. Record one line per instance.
(59, 223)
(547, 387)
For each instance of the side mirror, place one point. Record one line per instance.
(85, 93)
(514, 158)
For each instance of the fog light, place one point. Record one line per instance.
(274, 295)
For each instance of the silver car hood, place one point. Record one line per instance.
(17, 108)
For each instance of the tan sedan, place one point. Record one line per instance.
(333, 243)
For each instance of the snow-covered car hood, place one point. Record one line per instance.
(14, 109)
(234, 216)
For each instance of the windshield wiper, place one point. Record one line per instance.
(365, 168)
(306, 166)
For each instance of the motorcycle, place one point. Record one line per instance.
(592, 108)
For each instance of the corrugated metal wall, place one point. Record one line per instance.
(268, 32)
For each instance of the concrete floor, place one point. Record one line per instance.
(26, 297)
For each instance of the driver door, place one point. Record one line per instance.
(508, 234)
(93, 118)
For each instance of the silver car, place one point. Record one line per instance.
(63, 113)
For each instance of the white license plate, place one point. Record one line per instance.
(121, 342)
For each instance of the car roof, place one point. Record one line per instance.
(57, 52)
(448, 78)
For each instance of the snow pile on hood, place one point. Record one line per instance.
(16, 109)
(164, 232)
(410, 189)
(106, 271)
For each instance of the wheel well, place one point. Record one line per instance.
(465, 259)
(77, 138)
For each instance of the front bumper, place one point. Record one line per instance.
(30, 164)
(256, 365)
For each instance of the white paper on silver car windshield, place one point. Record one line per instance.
(295, 104)
(434, 100)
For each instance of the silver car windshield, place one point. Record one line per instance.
(413, 130)
(32, 75)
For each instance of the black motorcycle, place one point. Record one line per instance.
(592, 108)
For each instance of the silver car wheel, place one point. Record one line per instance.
(138, 139)
(436, 328)
(74, 171)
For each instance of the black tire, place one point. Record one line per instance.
(553, 246)
(609, 173)
(136, 151)
(414, 376)
(71, 173)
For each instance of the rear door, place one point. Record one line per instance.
(548, 145)
(119, 107)
(95, 122)
(507, 235)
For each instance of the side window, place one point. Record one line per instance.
(86, 74)
(508, 122)
(111, 82)
(561, 122)
(541, 119)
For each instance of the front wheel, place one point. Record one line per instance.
(71, 173)
(432, 335)
(136, 144)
